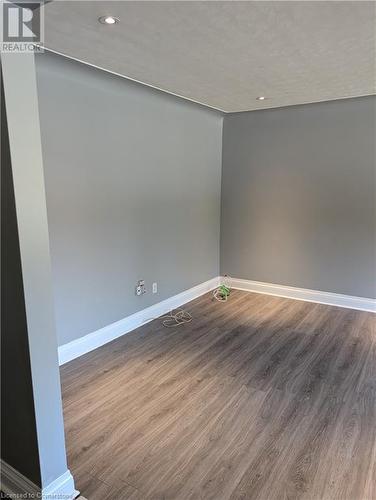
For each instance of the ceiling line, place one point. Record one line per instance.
(208, 106)
(134, 80)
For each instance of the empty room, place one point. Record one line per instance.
(188, 226)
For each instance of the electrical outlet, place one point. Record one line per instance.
(155, 287)
(140, 288)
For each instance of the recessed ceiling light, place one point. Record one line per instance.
(261, 98)
(108, 20)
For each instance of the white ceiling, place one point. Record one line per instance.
(224, 54)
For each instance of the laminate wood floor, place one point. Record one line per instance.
(257, 398)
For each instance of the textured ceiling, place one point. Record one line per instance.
(225, 54)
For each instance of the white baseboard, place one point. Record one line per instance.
(89, 342)
(62, 487)
(83, 345)
(15, 485)
(332, 299)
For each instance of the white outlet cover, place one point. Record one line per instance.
(155, 287)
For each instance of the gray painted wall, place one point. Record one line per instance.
(21, 101)
(299, 196)
(133, 192)
(19, 445)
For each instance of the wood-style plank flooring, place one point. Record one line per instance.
(257, 398)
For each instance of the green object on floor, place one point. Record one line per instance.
(224, 291)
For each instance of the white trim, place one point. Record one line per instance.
(83, 345)
(62, 488)
(332, 299)
(89, 342)
(13, 483)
